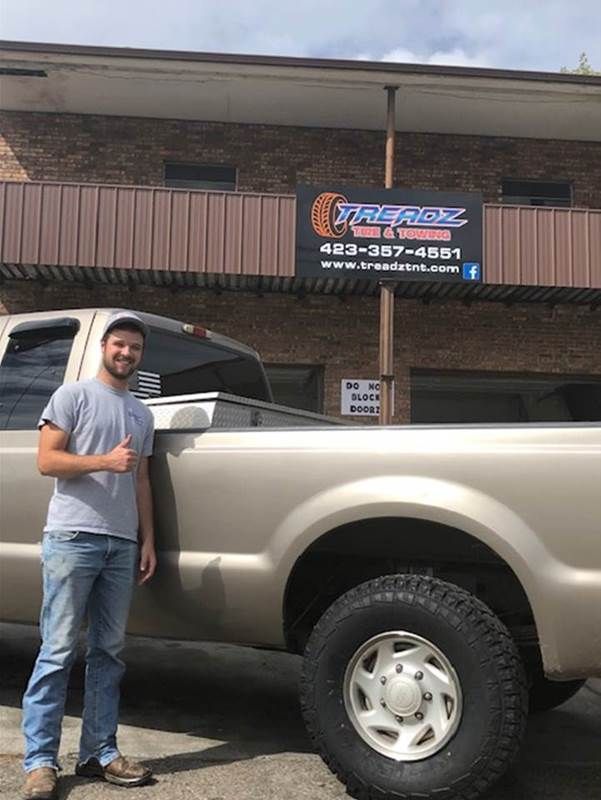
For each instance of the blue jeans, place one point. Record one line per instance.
(83, 572)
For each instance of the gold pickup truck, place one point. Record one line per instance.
(437, 580)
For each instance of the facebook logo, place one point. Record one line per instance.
(471, 271)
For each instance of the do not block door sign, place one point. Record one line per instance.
(360, 398)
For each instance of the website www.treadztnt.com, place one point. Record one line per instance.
(390, 266)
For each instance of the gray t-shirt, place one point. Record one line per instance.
(97, 417)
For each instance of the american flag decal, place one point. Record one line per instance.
(148, 385)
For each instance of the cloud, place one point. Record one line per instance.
(537, 34)
(457, 57)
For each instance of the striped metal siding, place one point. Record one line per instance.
(537, 246)
(125, 227)
(177, 231)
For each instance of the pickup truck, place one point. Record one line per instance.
(436, 580)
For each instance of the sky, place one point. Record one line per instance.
(540, 35)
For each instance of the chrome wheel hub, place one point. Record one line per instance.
(402, 696)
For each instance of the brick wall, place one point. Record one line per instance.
(343, 336)
(317, 329)
(274, 159)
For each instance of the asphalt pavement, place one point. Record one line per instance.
(217, 722)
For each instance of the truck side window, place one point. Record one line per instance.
(30, 373)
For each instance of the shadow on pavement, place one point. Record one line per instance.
(246, 699)
(244, 702)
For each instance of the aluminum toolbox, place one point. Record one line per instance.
(226, 411)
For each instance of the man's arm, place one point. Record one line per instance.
(55, 461)
(148, 559)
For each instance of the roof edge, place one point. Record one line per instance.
(297, 61)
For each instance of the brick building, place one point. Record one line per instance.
(165, 182)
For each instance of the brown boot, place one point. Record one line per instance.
(121, 771)
(40, 784)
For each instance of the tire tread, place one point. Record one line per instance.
(462, 610)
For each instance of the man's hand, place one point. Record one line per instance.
(148, 562)
(122, 458)
(56, 462)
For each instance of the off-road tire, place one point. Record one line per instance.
(487, 665)
(545, 694)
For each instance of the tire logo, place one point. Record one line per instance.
(323, 215)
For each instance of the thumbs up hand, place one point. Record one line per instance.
(122, 458)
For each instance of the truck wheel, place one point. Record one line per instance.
(546, 694)
(412, 687)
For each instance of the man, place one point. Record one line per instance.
(95, 439)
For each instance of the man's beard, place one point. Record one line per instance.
(120, 376)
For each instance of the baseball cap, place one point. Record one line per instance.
(122, 317)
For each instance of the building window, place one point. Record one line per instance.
(462, 397)
(297, 385)
(537, 193)
(219, 178)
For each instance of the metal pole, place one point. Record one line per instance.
(386, 289)
(390, 131)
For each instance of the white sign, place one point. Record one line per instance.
(360, 398)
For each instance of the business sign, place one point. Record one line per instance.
(396, 234)
(360, 398)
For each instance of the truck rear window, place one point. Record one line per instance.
(179, 364)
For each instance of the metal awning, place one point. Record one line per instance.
(131, 235)
(427, 292)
